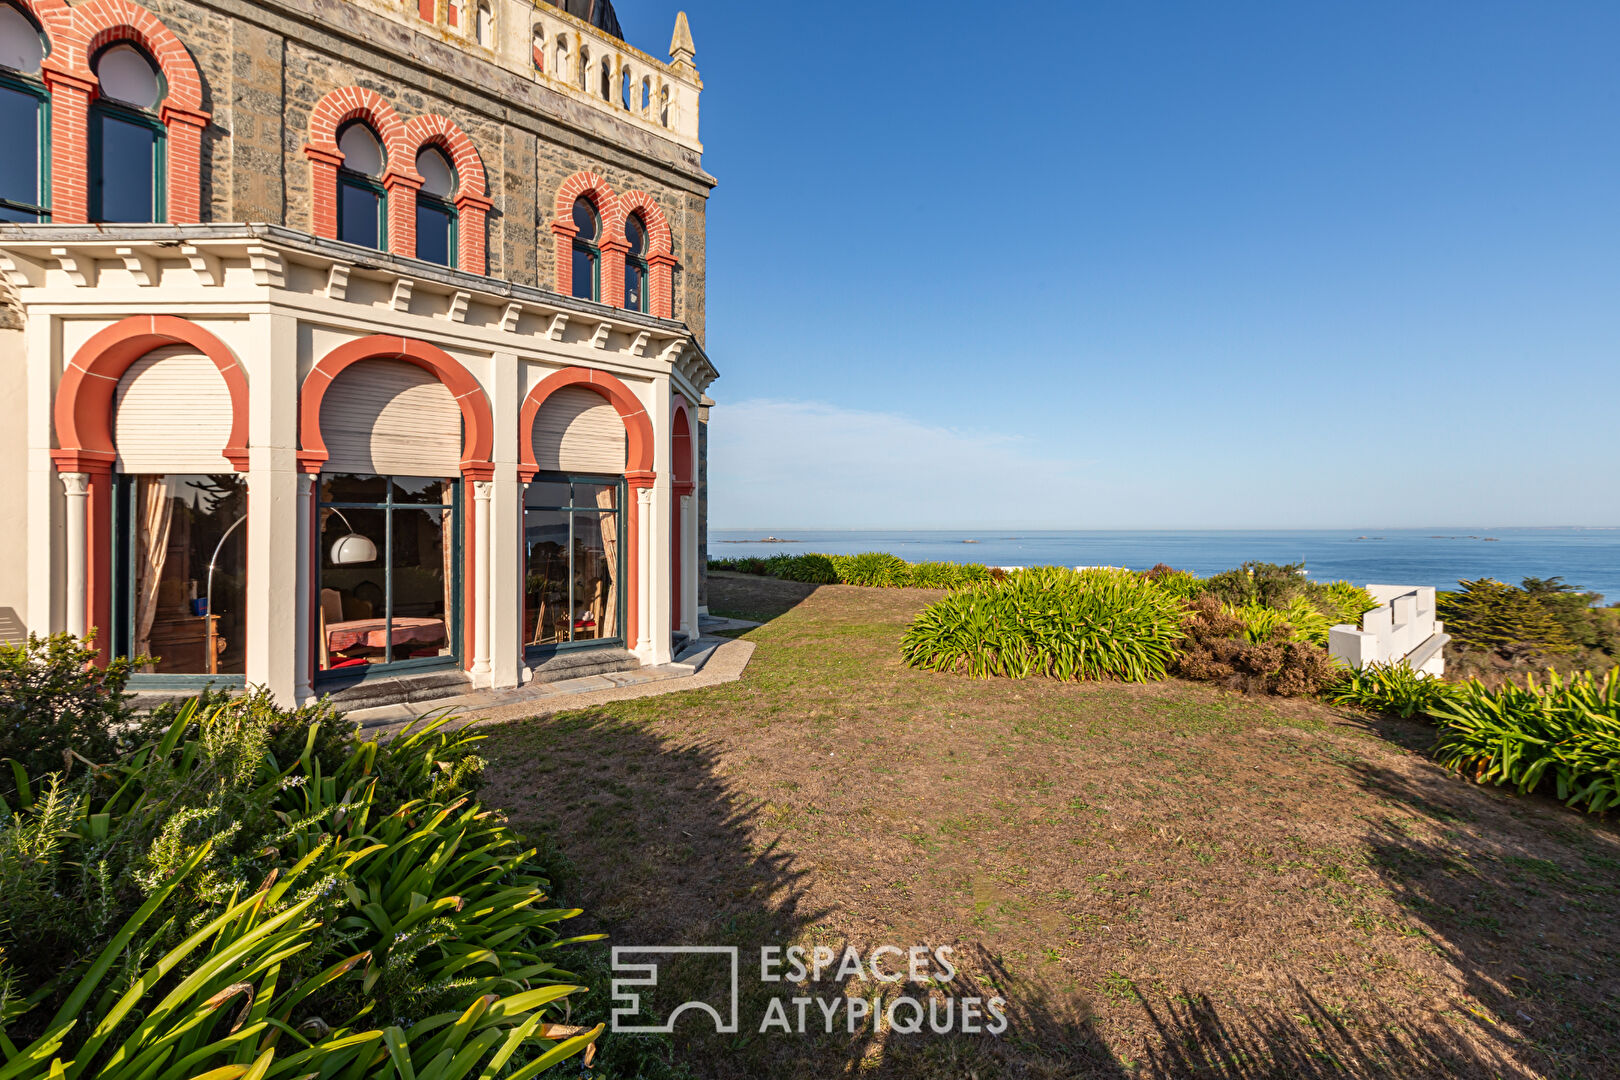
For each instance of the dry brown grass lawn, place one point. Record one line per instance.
(1162, 880)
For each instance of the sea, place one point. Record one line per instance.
(1585, 557)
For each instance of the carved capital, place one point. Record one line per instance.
(483, 490)
(76, 484)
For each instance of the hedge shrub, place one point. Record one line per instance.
(1092, 624)
(259, 893)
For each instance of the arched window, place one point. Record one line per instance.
(584, 67)
(635, 264)
(537, 50)
(127, 140)
(646, 95)
(625, 84)
(485, 26)
(587, 256)
(607, 79)
(24, 120)
(663, 106)
(362, 216)
(559, 70)
(453, 14)
(435, 215)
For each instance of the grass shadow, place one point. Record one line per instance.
(757, 599)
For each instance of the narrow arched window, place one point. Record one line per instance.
(663, 106)
(485, 26)
(624, 87)
(537, 50)
(362, 203)
(587, 256)
(607, 79)
(453, 14)
(584, 68)
(560, 69)
(435, 213)
(646, 96)
(635, 264)
(127, 143)
(24, 120)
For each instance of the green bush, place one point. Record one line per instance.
(811, 569)
(1391, 688)
(1343, 602)
(948, 575)
(1492, 615)
(872, 568)
(1564, 734)
(261, 893)
(1050, 621)
(55, 704)
(1178, 583)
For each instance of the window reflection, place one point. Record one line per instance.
(389, 572)
(574, 553)
(191, 621)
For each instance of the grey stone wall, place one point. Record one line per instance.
(265, 65)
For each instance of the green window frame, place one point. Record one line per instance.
(389, 504)
(447, 208)
(160, 158)
(621, 515)
(42, 209)
(594, 255)
(349, 178)
(124, 523)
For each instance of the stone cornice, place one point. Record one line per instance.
(192, 262)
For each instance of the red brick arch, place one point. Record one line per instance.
(337, 108)
(600, 192)
(471, 200)
(638, 458)
(84, 431)
(85, 396)
(660, 247)
(76, 35)
(477, 439)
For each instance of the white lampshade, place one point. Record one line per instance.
(351, 549)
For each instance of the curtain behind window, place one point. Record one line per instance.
(156, 514)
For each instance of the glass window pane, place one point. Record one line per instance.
(595, 583)
(423, 489)
(124, 181)
(595, 496)
(127, 75)
(191, 621)
(547, 493)
(584, 273)
(422, 582)
(352, 608)
(352, 487)
(585, 219)
(433, 233)
(438, 176)
(21, 47)
(545, 581)
(358, 211)
(19, 133)
(635, 287)
(361, 151)
(637, 236)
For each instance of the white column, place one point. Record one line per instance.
(304, 576)
(646, 580)
(688, 612)
(482, 490)
(77, 486)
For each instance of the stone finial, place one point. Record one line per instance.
(681, 48)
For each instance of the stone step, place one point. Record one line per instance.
(578, 663)
(394, 689)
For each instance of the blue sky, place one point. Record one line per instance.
(1160, 265)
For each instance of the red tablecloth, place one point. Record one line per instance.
(374, 633)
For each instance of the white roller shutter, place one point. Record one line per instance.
(578, 431)
(392, 418)
(173, 414)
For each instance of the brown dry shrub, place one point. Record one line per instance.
(1216, 651)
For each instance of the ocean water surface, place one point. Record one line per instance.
(1589, 558)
